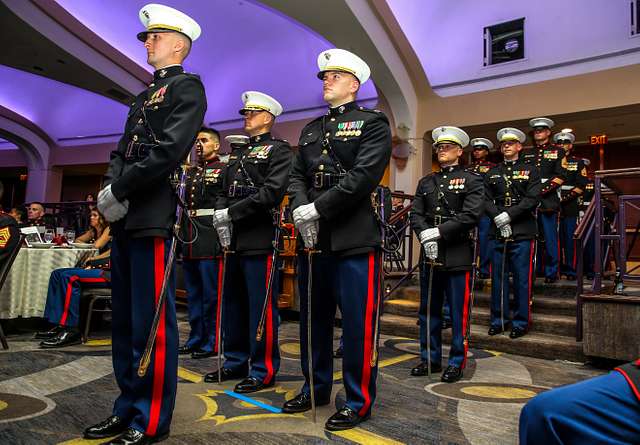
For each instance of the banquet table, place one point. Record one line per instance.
(24, 293)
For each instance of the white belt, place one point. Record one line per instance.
(543, 180)
(567, 187)
(202, 212)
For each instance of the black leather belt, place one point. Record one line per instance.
(137, 151)
(241, 191)
(323, 180)
(507, 202)
(438, 219)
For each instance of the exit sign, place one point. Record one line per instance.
(600, 139)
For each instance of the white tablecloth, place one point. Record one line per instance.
(24, 293)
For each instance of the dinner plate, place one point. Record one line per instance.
(42, 245)
(82, 245)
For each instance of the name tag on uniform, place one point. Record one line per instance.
(457, 183)
(260, 151)
(351, 128)
(550, 154)
(158, 96)
(521, 174)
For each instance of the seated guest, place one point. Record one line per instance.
(65, 287)
(20, 215)
(9, 233)
(37, 216)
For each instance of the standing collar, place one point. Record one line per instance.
(167, 71)
(261, 137)
(450, 168)
(342, 109)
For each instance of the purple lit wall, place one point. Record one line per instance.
(243, 46)
(562, 38)
(6, 145)
(60, 110)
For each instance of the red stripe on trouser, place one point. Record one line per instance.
(268, 350)
(558, 243)
(630, 382)
(159, 353)
(529, 278)
(219, 305)
(67, 296)
(465, 316)
(368, 337)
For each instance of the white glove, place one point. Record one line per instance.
(427, 235)
(224, 234)
(305, 213)
(309, 231)
(110, 207)
(505, 231)
(581, 214)
(502, 219)
(431, 250)
(221, 217)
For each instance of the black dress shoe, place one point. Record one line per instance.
(498, 330)
(64, 338)
(338, 353)
(451, 374)
(110, 427)
(202, 354)
(134, 437)
(301, 403)
(50, 333)
(251, 384)
(517, 332)
(344, 419)
(423, 367)
(227, 374)
(184, 349)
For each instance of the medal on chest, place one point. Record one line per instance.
(157, 96)
(351, 128)
(260, 151)
(456, 183)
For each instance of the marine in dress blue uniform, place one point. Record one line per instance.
(341, 159)
(600, 410)
(547, 158)
(255, 182)
(447, 206)
(63, 298)
(140, 201)
(201, 249)
(481, 149)
(512, 191)
(575, 172)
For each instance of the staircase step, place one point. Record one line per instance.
(541, 304)
(542, 322)
(559, 290)
(534, 344)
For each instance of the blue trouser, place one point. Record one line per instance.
(65, 288)
(484, 245)
(549, 256)
(137, 270)
(601, 410)
(353, 282)
(567, 227)
(201, 278)
(519, 262)
(244, 297)
(456, 288)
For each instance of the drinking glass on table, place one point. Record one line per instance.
(48, 235)
(70, 235)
